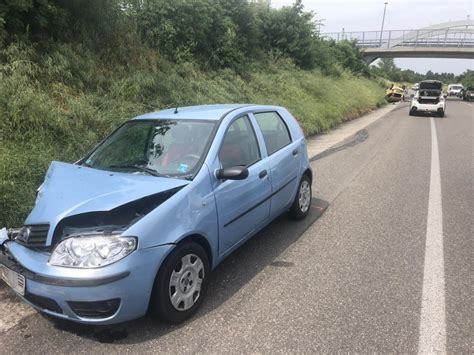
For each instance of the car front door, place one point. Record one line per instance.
(243, 206)
(283, 157)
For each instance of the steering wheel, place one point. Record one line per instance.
(192, 158)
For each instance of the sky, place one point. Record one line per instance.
(354, 15)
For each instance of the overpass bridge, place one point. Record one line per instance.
(453, 39)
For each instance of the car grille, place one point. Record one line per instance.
(33, 235)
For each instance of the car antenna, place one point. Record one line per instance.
(177, 105)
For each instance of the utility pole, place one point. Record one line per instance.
(319, 23)
(383, 21)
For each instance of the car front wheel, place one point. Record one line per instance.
(302, 202)
(181, 283)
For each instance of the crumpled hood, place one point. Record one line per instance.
(72, 189)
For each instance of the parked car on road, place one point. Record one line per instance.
(455, 90)
(429, 99)
(143, 219)
(468, 94)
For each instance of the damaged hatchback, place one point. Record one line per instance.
(140, 222)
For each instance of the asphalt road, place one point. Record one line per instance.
(363, 277)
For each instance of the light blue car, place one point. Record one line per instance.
(141, 221)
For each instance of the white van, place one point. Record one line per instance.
(455, 89)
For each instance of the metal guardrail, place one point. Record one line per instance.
(446, 37)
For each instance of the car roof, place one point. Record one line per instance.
(431, 81)
(200, 112)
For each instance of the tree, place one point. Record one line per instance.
(184, 30)
(292, 32)
(350, 56)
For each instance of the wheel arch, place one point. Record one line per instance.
(203, 242)
(309, 173)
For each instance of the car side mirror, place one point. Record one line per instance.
(233, 173)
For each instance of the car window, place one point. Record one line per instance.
(127, 145)
(163, 147)
(240, 146)
(274, 129)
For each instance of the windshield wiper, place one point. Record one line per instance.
(137, 167)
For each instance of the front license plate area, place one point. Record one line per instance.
(13, 279)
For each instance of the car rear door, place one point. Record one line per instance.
(243, 206)
(283, 158)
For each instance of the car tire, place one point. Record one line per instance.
(411, 113)
(302, 202)
(181, 284)
(441, 114)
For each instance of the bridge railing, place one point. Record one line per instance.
(450, 37)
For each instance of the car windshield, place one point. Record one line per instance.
(154, 147)
(431, 85)
(456, 87)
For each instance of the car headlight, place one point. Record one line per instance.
(92, 251)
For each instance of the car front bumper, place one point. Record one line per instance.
(113, 294)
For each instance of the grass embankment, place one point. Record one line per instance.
(57, 106)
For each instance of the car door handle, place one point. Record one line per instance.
(295, 152)
(262, 174)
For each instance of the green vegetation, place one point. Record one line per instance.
(467, 78)
(71, 71)
(387, 69)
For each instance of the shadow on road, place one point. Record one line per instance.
(230, 276)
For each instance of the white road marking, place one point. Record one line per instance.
(433, 313)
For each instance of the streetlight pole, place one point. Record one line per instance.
(383, 21)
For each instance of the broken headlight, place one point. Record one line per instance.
(92, 251)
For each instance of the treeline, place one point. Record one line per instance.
(387, 69)
(236, 34)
